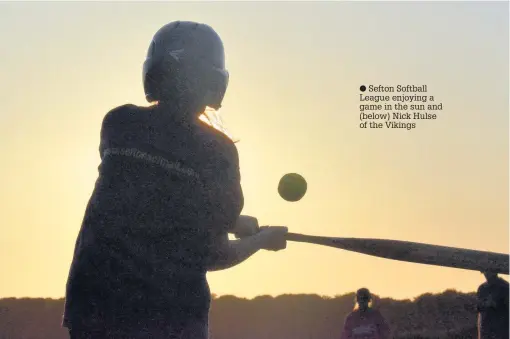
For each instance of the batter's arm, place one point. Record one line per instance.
(225, 253)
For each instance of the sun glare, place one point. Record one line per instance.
(212, 117)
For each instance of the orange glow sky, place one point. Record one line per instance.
(293, 102)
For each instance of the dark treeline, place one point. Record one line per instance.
(447, 315)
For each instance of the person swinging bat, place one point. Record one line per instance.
(167, 195)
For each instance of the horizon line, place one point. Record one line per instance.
(216, 296)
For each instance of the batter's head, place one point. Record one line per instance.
(186, 63)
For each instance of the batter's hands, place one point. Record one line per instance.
(246, 226)
(273, 238)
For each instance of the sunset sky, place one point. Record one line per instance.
(293, 99)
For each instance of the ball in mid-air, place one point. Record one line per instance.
(292, 187)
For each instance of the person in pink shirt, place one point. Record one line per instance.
(364, 322)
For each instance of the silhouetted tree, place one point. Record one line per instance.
(448, 315)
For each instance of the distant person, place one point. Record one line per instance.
(365, 322)
(492, 307)
(167, 195)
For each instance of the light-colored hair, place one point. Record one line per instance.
(213, 118)
(210, 116)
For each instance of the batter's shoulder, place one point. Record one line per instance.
(218, 138)
(121, 114)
